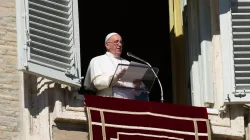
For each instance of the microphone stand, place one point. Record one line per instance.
(131, 55)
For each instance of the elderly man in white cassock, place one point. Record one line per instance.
(102, 68)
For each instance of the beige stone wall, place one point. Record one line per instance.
(9, 76)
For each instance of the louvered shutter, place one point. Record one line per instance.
(48, 39)
(235, 42)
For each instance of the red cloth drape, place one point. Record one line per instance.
(132, 119)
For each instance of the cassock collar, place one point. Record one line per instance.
(111, 55)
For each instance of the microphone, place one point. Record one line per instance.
(138, 58)
(131, 55)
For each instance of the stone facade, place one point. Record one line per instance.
(34, 108)
(9, 76)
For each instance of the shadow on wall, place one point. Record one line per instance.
(200, 24)
(47, 104)
(199, 27)
(42, 95)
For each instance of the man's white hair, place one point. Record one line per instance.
(109, 35)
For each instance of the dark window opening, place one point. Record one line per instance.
(144, 28)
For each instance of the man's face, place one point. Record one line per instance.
(114, 45)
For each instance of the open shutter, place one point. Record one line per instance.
(48, 39)
(235, 42)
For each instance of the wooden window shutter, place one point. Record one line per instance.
(235, 42)
(48, 39)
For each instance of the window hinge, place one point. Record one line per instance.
(222, 110)
(26, 42)
(80, 80)
(228, 98)
(70, 72)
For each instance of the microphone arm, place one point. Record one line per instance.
(131, 55)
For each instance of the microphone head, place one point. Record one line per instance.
(129, 54)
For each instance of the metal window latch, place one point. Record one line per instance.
(240, 94)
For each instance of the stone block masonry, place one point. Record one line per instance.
(9, 76)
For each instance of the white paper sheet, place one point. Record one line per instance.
(135, 71)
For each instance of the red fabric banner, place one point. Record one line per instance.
(119, 119)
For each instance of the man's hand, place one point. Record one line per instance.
(121, 73)
(137, 83)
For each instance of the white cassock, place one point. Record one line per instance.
(99, 75)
